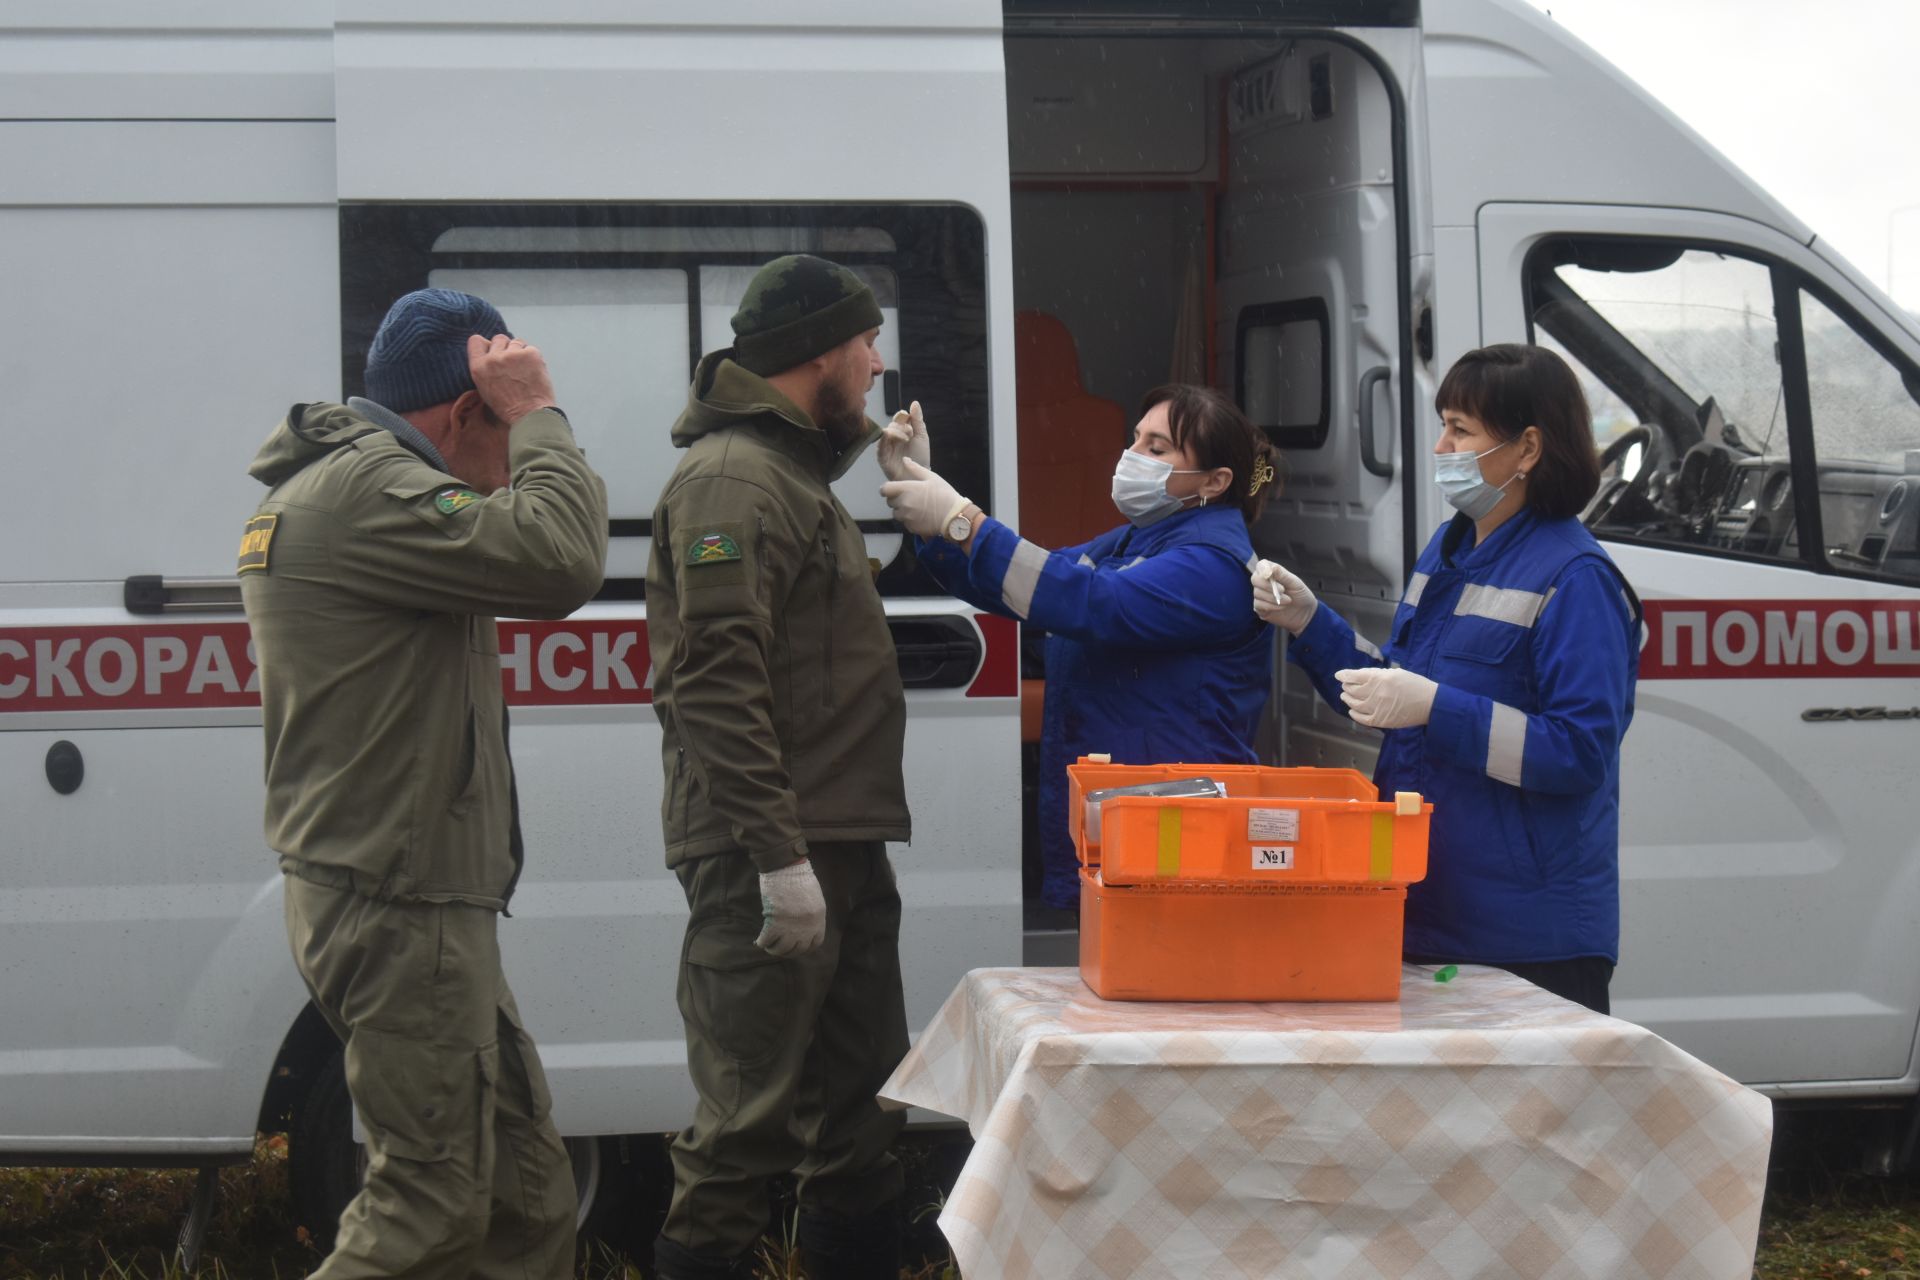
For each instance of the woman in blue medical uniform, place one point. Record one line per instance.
(1152, 653)
(1505, 687)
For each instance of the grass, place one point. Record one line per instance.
(124, 1224)
(1821, 1221)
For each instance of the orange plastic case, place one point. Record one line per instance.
(1291, 887)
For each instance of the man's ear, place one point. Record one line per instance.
(468, 414)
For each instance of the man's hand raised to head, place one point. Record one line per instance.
(510, 376)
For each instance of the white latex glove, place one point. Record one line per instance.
(1386, 697)
(793, 914)
(921, 500)
(1281, 598)
(904, 437)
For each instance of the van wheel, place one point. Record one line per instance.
(326, 1167)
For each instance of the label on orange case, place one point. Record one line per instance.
(1273, 857)
(1273, 824)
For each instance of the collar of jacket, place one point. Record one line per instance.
(403, 431)
(725, 395)
(1458, 550)
(1210, 524)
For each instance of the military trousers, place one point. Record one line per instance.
(466, 1175)
(788, 1054)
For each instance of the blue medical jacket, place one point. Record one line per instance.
(1154, 654)
(1534, 639)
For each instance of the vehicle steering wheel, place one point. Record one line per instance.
(1639, 434)
(1612, 491)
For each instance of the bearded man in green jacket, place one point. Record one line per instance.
(782, 720)
(371, 576)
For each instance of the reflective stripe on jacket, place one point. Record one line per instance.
(1534, 640)
(1154, 654)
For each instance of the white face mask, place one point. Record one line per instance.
(1462, 485)
(1140, 488)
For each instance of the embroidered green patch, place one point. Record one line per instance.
(452, 500)
(713, 548)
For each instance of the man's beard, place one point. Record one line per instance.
(840, 415)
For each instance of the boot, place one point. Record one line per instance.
(671, 1262)
(838, 1247)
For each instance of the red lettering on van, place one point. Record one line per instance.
(187, 665)
(1780, 639)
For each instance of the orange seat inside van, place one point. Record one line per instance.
(1068, 442)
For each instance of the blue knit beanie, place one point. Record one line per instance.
(419, 356)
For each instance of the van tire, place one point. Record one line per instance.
(326, 1167)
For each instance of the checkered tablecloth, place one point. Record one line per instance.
(1477, 1128)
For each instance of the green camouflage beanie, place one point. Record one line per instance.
(796, 308)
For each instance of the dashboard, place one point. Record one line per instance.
(1869, 514)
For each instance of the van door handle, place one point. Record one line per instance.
(150, 593)
(941, 652)
(1368, 458)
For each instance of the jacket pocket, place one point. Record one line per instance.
(466, 772)
(1487, 658)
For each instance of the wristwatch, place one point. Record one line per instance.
(960, 527)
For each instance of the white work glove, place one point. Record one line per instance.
(904, 437)
(793, 914)
(921, 500)
(1281, 598)
(1386, 697)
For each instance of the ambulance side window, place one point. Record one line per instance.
(1693, 358)
(624, 299)
(1678, 349)
(1866, 431)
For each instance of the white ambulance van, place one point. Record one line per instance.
(206, 207)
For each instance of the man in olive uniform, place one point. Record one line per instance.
(371, 576)
(782, 718)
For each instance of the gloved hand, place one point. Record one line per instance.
(1281, 598)
(922, 501)
(1386, 697)
(793, 914)
(904, 437)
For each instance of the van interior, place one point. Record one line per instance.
(1213, 210)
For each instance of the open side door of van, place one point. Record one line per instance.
(1325, 263)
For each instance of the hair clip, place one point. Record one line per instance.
(1262, 475)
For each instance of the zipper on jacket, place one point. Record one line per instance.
(760, 524)
(833, 589)
(680, 790)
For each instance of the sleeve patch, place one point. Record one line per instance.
(714, 547)
(712, 554)
(255, 541)
(455, 499)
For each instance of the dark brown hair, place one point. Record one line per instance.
(1508, 388)
(1213, 429)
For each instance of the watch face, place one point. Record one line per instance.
(958, 528)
